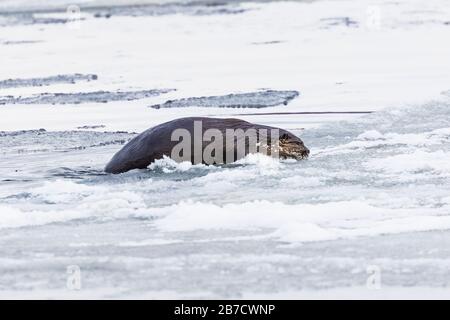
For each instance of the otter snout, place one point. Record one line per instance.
(293, 150)
(305, 153)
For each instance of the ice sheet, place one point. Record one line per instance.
(375, 190)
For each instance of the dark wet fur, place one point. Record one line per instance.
(155, 143)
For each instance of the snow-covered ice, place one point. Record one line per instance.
(374, 192)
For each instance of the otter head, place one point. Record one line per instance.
(291, 147)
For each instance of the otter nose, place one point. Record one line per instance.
(305, 153)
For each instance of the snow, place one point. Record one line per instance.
(333, 67)
(375, 190)
(301, 223)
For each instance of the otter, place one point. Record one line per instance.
(162, 140)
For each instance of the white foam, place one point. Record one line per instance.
(415, 162)
(72, 201)
(13, 218)
(265, 164)
(374, 139)
(287, 222)
(167, 165)
(370, 135)
(259, 159)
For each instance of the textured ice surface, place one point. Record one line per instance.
(82, 97)
(235, 230)
(191, 8)
(46, 81)
(89, 11)
(339, 21)
(28, 18)
(15, 42)
(375, 192)
(32, 141)
(262, 99)
(130, 260)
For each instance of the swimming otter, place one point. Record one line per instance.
(160, 141)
